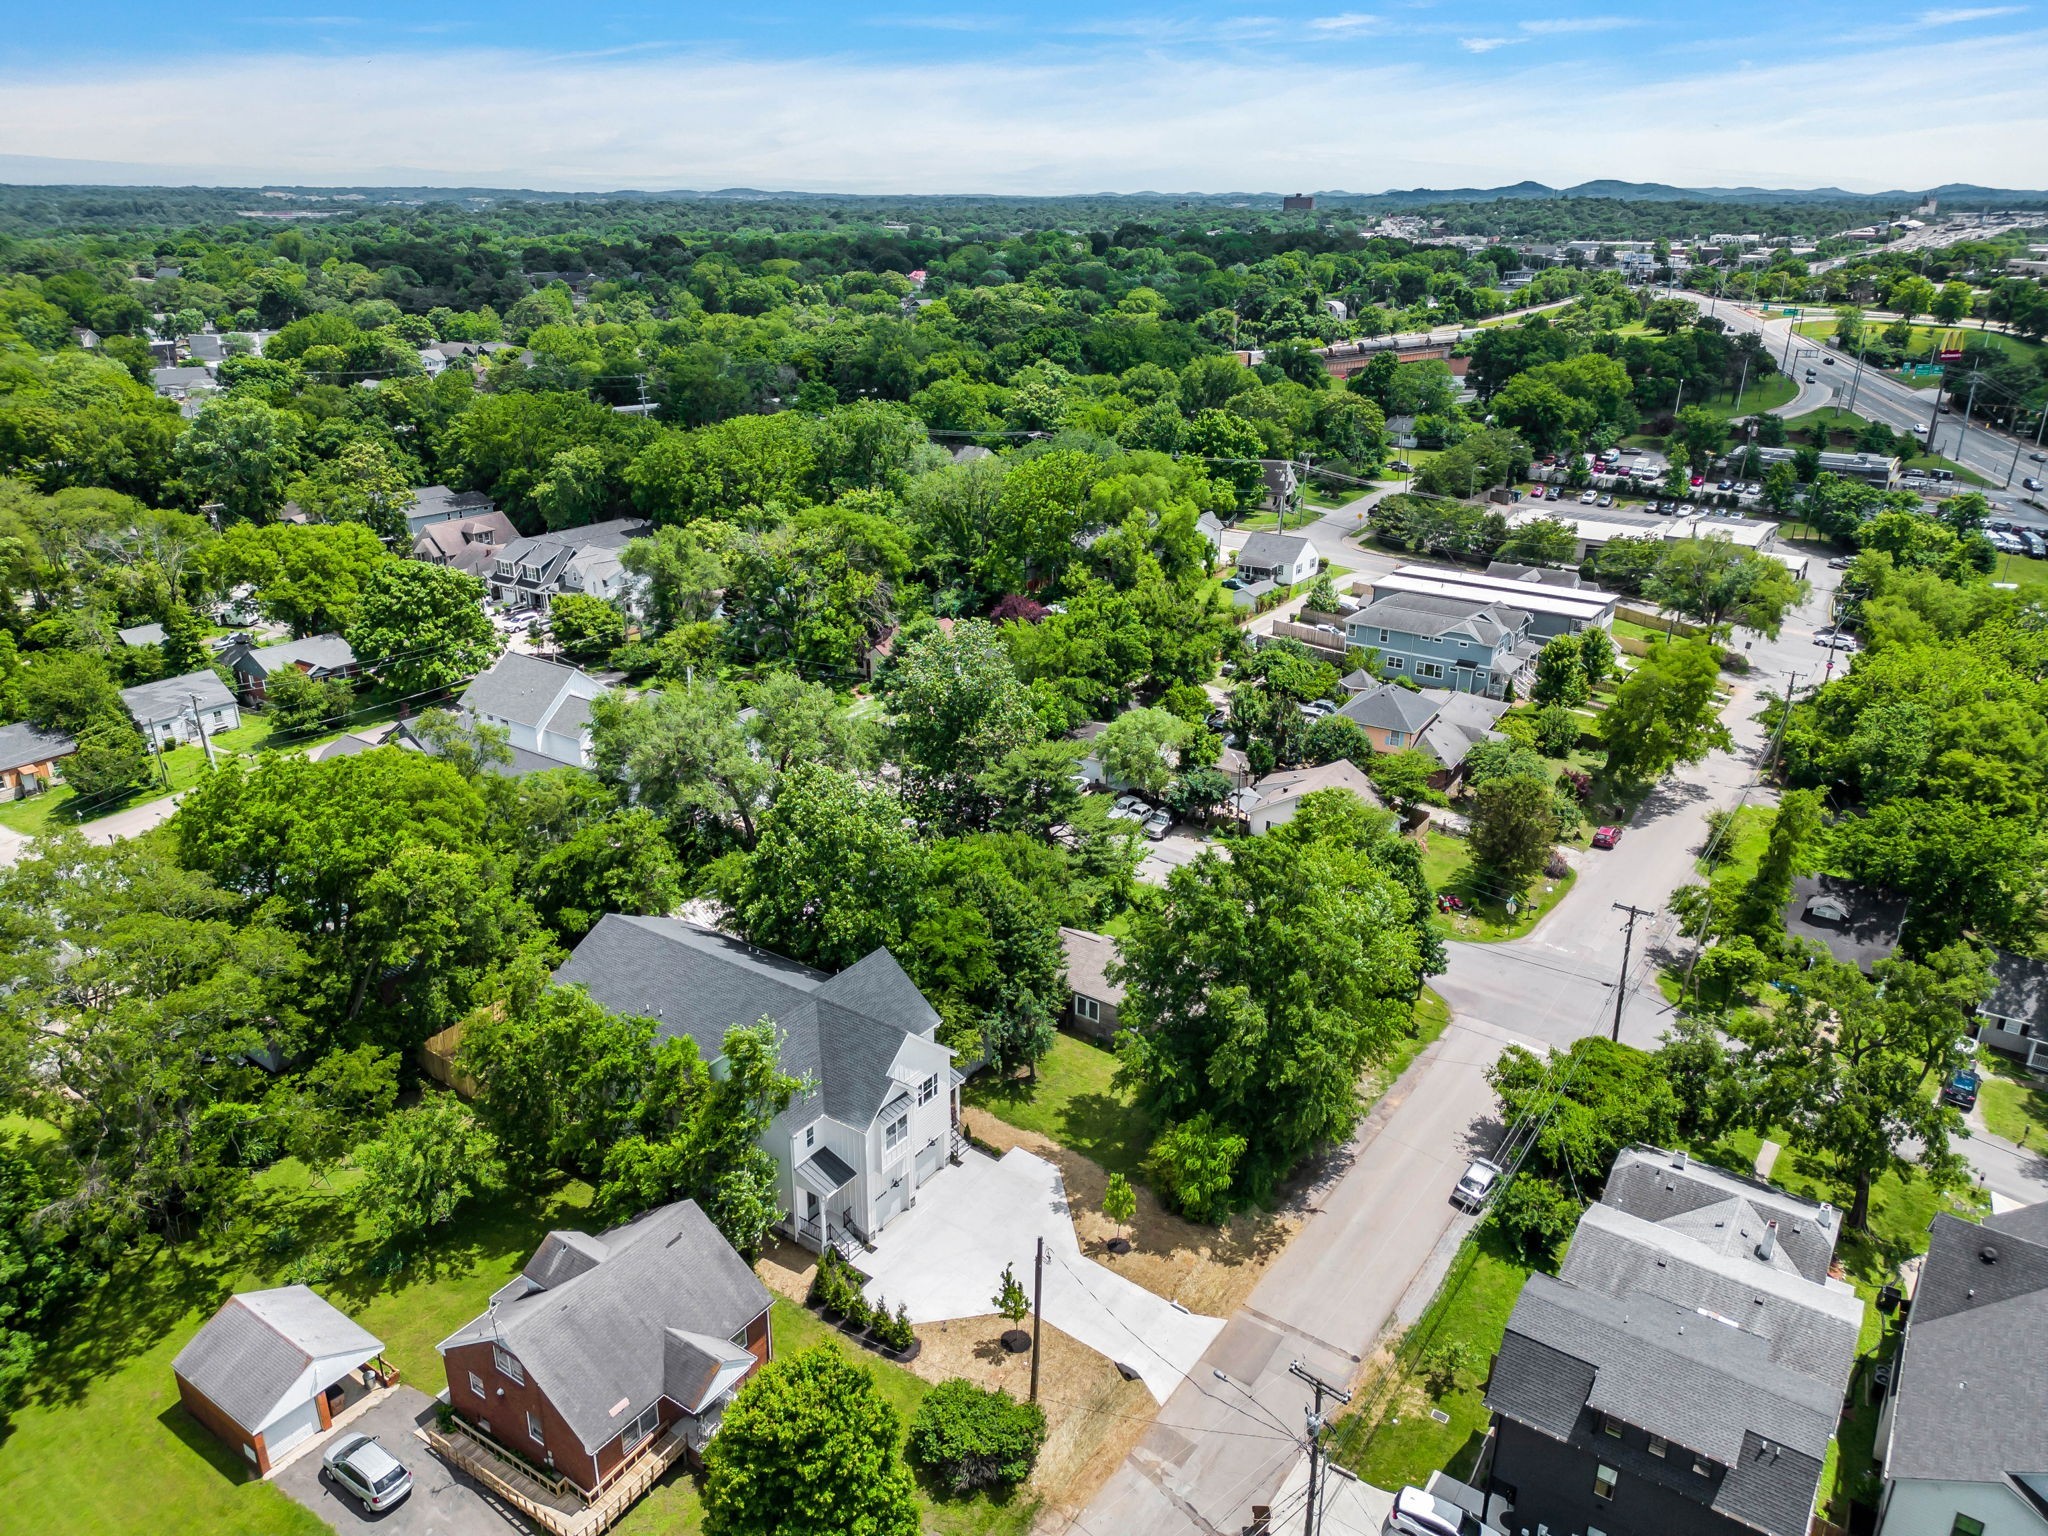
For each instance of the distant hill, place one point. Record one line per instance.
(1659, 192)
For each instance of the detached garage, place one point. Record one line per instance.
(267, 1369)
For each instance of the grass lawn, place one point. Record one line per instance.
(108, 1379)
(1741, 846)
(1925, 336)
(675, 1507)
(1447, 866)
(2014, 1104)
(2022, 570)
(1391, 1439)
(1072, 1103)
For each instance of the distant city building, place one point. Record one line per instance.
(1298, 203)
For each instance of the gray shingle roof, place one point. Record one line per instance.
(1665, 1369)
(520, 688)
(1089, 957)
(596, 1341)
(842, 1031)
(323, 653)
(141, 634)
(1652, 1184)
(1390, 707)
(169, 697)
(252, 1351)
(1272, 551)
(1424, 614)
(2019, 988)
(1973, 1376)
(1293, 783)
(23, 743)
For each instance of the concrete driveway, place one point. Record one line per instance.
(944, 1258)
(1179, 846)
(441, 1504)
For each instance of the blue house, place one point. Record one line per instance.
(1447, 642)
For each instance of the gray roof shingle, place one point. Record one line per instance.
(1390, 707)
(322, 653)
(1973, 1377)
(1089, 957)
(843, 1031)
(2019, 988)
(22, 743)
(521, 688)
(595, 1341)
(1657, 1186)
(1430, 616)
(251, 1352)
(169, 697)
(1272, 551)
(141, 634)
(1868, 930)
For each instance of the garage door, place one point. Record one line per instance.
(890, 1202)
(930, 1158)
(291, 1429)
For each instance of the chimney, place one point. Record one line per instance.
(1769, 1246)
(1678, 1159)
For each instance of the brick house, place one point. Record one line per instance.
(602, 1345)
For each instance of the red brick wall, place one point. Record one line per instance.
(507, 1414)
(201, 1407)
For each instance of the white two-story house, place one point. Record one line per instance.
(879, 1115)
(533, 572)
(542, 707)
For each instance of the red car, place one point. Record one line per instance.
(1607, 837)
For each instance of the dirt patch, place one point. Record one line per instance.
(786, 1269)
(1206, 1269)
(1093, 1416)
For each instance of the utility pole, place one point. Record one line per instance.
(1791, 682)
(205, 740)
(1627, 943)
(157, 747)
(1856, 383)
(1314, 1520)
(1037, 1313)
(1739, 388)
(1969, 405)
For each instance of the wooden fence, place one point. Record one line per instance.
(437, 1060)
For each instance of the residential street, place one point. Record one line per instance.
(1382, 1218)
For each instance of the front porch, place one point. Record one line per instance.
(554, 1503)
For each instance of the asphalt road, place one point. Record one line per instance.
(1380, 1229)
(441, 1503)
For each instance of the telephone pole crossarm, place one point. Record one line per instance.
(1312, 1522)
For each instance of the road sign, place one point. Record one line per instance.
(1948, 356)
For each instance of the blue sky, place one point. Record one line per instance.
(1046, 98)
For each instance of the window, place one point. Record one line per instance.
(1087, 1008)
(1464, 645)
(533, 1430)
(1966, 1525)
(1429, 669)
(1392, 663)
(1659, 1445)
(1603, 1483)
(928, 1089)
(1700, 1468)
(740, 1338)
(508, 1364)
(1397, 738)
(894, 1133)
(476, 1384)
(810, 1137)
(1611, 1424)
(1386, 635)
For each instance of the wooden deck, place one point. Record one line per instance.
(558, 1505)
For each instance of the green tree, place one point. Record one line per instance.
(973, 1437)
(956, 710)
(1259, 987)
(1536, 1214)
(240, 453)
(587, 628)
(1541, 541)
(1011, 1302)
(1665, 712)
(616, 861)
(1717, 582)
(184, 643)
(1761, 912)
(1194, 1164)
(360, 484)
(1704, 434)
(1514, 828)
(423, 1166)
(297, 701)
(1953, 302)
(1615, 1096)
(1561, 673)
(1596, 655)
(681, 572)
(1137, 748)
(833, 876)
(1402, 778)
(809, 1448)
(309, 577)
(1120, 1202)
(1034, 787)
(1017, 1036)
(1557, 730)
(421, 628)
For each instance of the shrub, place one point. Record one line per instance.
(894, 1332)
(972, 1437)
(1443, 1364)
(1536, 1214)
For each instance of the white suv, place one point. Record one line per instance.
(1416, 1513)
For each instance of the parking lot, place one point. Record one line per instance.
(1178, 847)
(441, 1504)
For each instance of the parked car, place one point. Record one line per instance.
(2031, 483)
(1841, 562)
(1725, 485)
(1687, 509)
(1587, 498)
(1837, 642)
(1416, 1513)
(1553, 494)
(2039, 458)
(1606, 837)
(1481, 1174)
(1406, 468)
(1157, 825)
(1606, 501)
(1698, 481)
(1961, 1090)
(359, 1465)
(1752, 489)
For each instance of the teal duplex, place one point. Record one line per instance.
(1448, 642)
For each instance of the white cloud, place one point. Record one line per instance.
(1558, 25)
(1485, 44)
(1348, 22)
(1957, 15)
(1125, 118)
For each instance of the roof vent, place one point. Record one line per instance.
(1678, 1159)
(1988, 1254)
(1769, 1246)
